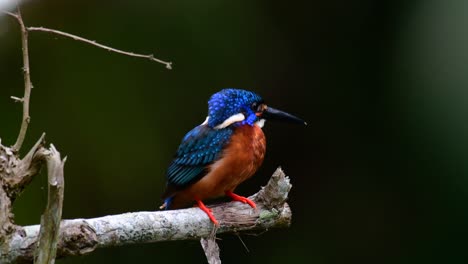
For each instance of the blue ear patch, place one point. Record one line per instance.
(229, 102)
(251, 119)
(251, 116)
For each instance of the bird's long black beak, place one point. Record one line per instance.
(271, 113)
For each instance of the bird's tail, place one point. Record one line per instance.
(167, 203)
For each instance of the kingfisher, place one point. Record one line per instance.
(222, 152)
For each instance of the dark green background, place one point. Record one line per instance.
(380, 175)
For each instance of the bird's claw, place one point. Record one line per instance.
(208, 212)
(241, 199)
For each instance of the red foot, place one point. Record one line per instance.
(241, 199)
(207, 210)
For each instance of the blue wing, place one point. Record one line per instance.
(199, 148)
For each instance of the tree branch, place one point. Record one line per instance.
(10, 14)
(27, 74)
(211, 249)
(82, 236)
(27, 82)
(150, 57)
(8, 162)
(50, 220)
(19, 173)
(94, 43)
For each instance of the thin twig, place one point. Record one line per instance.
(10, 14)
(17, 99)
(243, 243)
(27, 82)
(27, 74)
(94, 43)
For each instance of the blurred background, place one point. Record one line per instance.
(379, 175)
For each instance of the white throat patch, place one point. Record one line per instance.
(231, 120)
(260, 123)
(205, 122)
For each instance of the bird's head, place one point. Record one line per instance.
(240, 107)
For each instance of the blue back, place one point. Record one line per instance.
(199, 148)
(203, 145)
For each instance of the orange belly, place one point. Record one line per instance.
(239, 161)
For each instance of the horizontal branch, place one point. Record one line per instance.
(150, 57)
(82, 236)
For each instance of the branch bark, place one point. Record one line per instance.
(15, 174)
(211, 249)
(150, 57)
(50, 220)
(94, 43)
(27, 83)
(82, 236)
(7, 160)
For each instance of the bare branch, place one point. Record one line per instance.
(211, 249)
(27, 74)
(27, 81)
(22, 171)
(15, 174)
(272, 196)
(94, 43)
(50, 220)
(82, 236)
(10, 14)
(17, 99)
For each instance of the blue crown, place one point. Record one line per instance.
(229, 102)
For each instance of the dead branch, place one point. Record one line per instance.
(50, 220)
(27, 82)
(94, 43)
(15, 174)
(82, 236)
(150, 57)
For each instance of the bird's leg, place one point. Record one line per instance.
(241, 199)
(207, 210)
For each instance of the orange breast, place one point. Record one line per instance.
(239, 161)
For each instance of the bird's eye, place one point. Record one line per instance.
(258, 107)
(254, 106)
